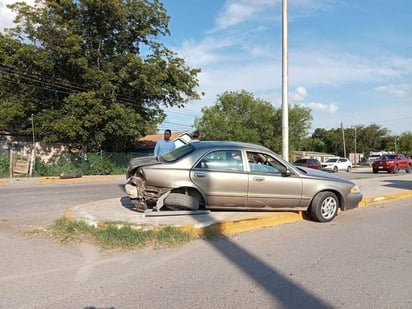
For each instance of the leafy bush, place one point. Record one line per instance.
(4, 166)
(85, 164)
(97, 164)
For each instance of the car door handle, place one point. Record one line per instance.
(200, 175)
(258, 178)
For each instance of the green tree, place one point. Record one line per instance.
(405, 143)
(370, 138)
(92, 72)
(239, 116)
(300, 120)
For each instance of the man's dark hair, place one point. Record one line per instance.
(195, 134)
(168, 130)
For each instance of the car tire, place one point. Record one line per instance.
(395, 170)
(324, 206)
(375, 171)
(335, 169)
(179, 201)
(408, 169)
(349, 169)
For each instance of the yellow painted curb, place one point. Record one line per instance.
(68, 214)
(245, 224)
(369, 201)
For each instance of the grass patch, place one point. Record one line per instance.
(113, 235)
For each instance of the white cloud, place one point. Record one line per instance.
(206, 52)
(401, 90)
(236, 12)
(299, 94)
(322, 107)
(331, 67)
(6, 15)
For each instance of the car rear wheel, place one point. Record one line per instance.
(408, 169)
(348, 169)
(324, 206)
(335, 169)
(181, 201)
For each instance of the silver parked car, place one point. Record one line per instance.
(235, 176)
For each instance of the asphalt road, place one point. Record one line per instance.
(25, 204)
(360, 260)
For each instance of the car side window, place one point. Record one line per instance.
(263, 163)
(230, 160)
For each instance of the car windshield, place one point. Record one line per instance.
(332, 160)
(391, 157)
(178, 153)
(300, 161)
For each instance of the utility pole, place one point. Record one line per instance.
(285, 103)
(343, 138)
(356, 154)
(396, 148)
(33, 152)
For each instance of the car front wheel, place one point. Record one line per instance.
(179, 201)
(324, 206)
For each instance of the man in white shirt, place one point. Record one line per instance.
(164, 145)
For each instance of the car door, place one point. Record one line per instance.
(342, 163)
(269, 184)
(221, 177)
(403, 163)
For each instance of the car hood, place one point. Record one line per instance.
(139, 162)
(313, 173)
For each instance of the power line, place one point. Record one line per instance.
(57, 85)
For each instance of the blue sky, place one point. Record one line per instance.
(350, 61)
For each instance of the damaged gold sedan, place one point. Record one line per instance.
(235, 176)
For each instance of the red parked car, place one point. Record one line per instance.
(311, 163)
(392, 163)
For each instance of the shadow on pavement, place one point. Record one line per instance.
(281, 288)
(399, 184)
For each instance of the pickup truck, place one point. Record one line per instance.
(392, 163)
